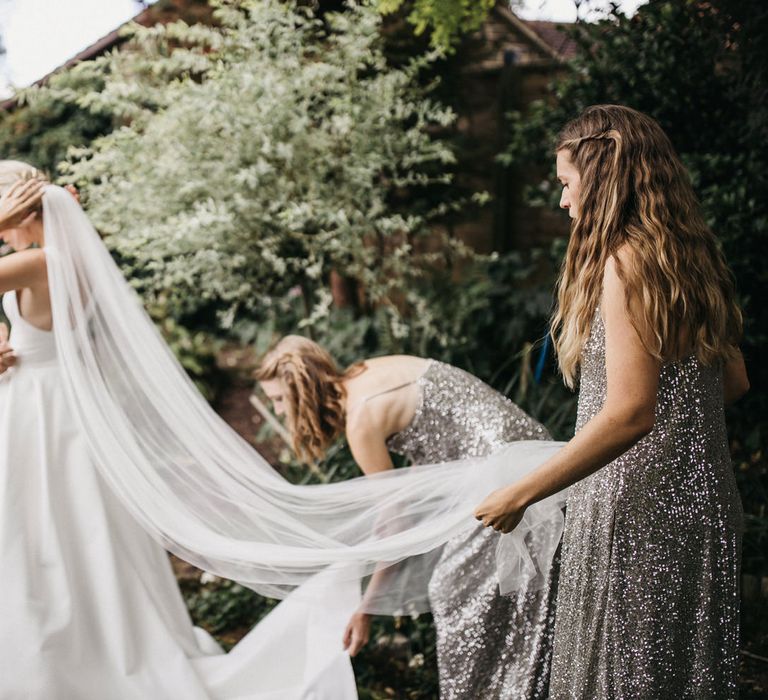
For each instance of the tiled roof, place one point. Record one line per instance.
(554, 34)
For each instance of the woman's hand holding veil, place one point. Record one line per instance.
(502, 509)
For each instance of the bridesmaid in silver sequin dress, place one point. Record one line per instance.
(648, 600)
(660, 604)
(489, 646)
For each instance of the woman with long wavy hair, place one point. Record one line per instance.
(489, 645)
(648, 325)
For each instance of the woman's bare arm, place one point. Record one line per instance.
(735, 380)
(7, 354)
(626, 416)
(368, 445)
(23, 270)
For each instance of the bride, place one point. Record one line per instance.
(108, 456)
(88, 602)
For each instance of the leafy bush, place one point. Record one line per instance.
(41, 133)
(446, 21)
(260, 155)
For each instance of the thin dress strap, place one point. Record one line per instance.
(387, 391)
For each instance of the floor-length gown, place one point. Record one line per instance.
(489, 646)
(89, 607)
(648, 593)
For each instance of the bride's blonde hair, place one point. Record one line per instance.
(13, 170)
(635, 193)
(315, 393)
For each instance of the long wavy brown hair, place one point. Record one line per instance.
(636, 195)
(315, 394)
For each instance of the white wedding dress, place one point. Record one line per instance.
(89, 607)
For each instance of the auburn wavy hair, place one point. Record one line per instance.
(315, 394)
(636, 194)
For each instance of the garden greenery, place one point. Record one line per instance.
(256, 157)
(446, 21)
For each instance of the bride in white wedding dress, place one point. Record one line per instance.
(89, 607)
(108, 455)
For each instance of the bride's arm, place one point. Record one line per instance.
(7, 356)
(25, 269)
(627, 415)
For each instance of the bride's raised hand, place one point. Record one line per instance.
(21, 199)
(502, 510)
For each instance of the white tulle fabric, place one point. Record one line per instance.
(206, 495)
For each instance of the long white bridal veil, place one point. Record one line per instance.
(208, 496)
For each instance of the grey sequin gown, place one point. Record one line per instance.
(489, 646)
(648, 592)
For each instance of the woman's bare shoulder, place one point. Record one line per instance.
(373, 396)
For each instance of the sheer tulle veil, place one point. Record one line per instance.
(208, 496)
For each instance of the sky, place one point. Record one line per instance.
(40, 35)
(565, 10)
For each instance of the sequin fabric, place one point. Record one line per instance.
(489, 646)
(648, 591)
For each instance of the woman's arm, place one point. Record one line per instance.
(735, 380)
(626, 416)
(368, 445)
(25, 269)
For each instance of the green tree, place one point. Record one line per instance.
(445, 20)
(41, 127)
(42, 133)
(260, 155)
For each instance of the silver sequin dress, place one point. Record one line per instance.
(648, 593)
(489, 646)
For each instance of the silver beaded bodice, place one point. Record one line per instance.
(460, 416)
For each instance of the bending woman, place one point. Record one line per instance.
(488, 645)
